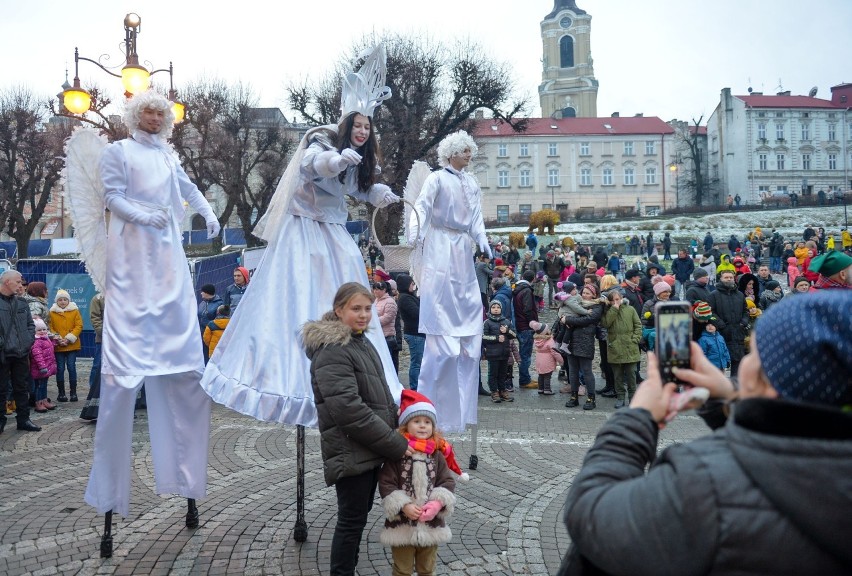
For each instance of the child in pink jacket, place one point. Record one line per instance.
(792, 270)
(546, 356)
(42, 365)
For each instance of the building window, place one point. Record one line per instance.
(502, 179)
(585, 149)
(761, 162)
(502, 213)
(628, 148)
(761, 130)
(650, 148)
(651, 175)
(779, 161)
(629, 177)
(524, 180)
(525, 209)
(607, 176)
(523, 150)
(763, 191)
(806, 161)
(502, 150)
(553, 177)
(832, 131)
(806, 132)
(779, 131)
(782, 189)
(832, 161)
(545, 206)
(566, 52)
(552, 149)
(606, 148)
(779, 114)
(585, 176)
(761, 114)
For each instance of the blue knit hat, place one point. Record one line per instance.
(805, 347)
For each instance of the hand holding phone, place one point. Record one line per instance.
(687, 400)
(673, 325)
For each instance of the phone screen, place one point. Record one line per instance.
(673, 322)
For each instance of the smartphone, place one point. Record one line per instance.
(673, 324)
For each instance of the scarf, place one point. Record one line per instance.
(429, 447)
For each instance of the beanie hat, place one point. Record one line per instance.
(700, 273)
(413, 404)
(773, 284)
(209, 289)
(392, 285)
(801, 279)
(61, 294)
(701, 310)
(381, 274)
(824, 332)
(539, 274)
(568, 286)
(670, 280)
(632, 273)
(498, 262)
(537, 327)
(830, 263)
(39, 324)
(495, 303)
(244, 272)
(661, 287)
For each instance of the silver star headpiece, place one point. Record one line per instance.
(364, 90)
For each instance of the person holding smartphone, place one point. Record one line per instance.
(723, 503)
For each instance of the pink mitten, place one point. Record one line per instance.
(430, 510)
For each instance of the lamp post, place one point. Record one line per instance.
(134, 77)
(675, 168)
(552, 196)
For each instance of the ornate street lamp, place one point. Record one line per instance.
(134, 77)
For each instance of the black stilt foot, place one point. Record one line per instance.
(191, 513)
(474, 462)
(106, 539)
(300, 528)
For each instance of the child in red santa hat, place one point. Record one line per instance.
(417, 491)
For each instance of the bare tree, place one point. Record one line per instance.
(227, 142)
(97, 115)
(692, 147)
(436, 90)
(31, 160)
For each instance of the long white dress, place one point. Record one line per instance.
(259, 367)
(450, 210)
(150, 331)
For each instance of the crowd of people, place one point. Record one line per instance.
(338, 368)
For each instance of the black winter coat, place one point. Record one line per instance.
(524, 304)
(17, 330)
(584, 336)
(409, 311)
(356, 412)
(693, 292)
(729, 307)
(494, 349)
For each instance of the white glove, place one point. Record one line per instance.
(381, 196)
(130, 213)
(213, 228)
(484, 247)
(347, 157)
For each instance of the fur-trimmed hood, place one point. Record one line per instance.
(323, 332)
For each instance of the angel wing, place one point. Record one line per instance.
(413, 185)
(83, 188)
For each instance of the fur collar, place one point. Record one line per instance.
(70, 308)
(323, 332)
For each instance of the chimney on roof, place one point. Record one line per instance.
(478, 115)
(784, 93)
(615, 115)
(639, 115)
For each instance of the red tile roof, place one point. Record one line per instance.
(785, 102)
(702, 130)
(576, 126)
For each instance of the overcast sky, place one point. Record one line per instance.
(666, 58)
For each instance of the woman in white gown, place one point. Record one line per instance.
(259, 367)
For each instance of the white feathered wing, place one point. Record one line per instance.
(413, 185)
(84, 191)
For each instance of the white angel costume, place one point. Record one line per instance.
(259, 367)
(450, 211)
(150, 330)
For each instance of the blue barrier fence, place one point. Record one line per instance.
(232, 236)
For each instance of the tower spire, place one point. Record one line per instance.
(559, 5)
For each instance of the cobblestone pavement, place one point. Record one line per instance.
(508, 518)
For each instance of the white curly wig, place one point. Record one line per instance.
(453, 144)
(149, 99)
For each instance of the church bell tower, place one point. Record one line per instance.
(568, 86)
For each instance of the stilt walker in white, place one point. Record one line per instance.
(150, 332)
(450, 211)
